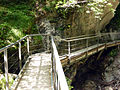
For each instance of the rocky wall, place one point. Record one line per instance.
(86, 23)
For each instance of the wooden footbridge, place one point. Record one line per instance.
(42, 70)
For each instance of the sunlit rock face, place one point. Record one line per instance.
(86, 22)
(81, 20)
(112, 73)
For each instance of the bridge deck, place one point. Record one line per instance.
(37, 74)
(77, 55)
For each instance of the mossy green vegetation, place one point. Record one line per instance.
(16, 20)
(69, 83)
(95, 6)
(113, 52)
(3, 82)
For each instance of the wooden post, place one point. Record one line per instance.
(118, 47)
(69, 50)
(28, 45)
(20, 62)
(87, 47)
(97, 43)
(6, 69)
(98, 57)
(106, 42)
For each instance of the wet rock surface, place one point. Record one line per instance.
(103, 74)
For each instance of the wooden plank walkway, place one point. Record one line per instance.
(37, 74)
(78, 55)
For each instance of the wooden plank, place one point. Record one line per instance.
(82, 54)
(37, 74)
(92, 50)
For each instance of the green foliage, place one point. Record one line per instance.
(3, 82)
(115, 22)
(15, 1)
(113, 53)
(96, 6)
(47, 8)
(63, 27)
(37, 39)
(60, 28)
(65, 8)
(15, 21)
(69, 83)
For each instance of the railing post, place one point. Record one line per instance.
(105, 42)
(69, 50)
(6, 69)
(28, 45)
(20, 62)
(118, 47)
(48, 43)
(97, 43)
(87, 47)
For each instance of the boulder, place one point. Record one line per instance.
(89, 85)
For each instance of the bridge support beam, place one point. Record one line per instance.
(99, 55)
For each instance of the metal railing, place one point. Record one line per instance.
(73, 44)
(28, 42)
(58, 74)
(5, 50)
(59, 80)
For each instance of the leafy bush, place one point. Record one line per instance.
(16, 20)
(113, 53)
(69, 83)
(115, 22)
(3, 82)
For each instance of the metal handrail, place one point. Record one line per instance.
(31, 35)
(9, 46)
(87, 39)
(60, 82)
(4, 49)
(59, 77)
(87, 36)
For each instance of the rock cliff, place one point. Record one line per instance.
(87, 18)
(86, 23)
